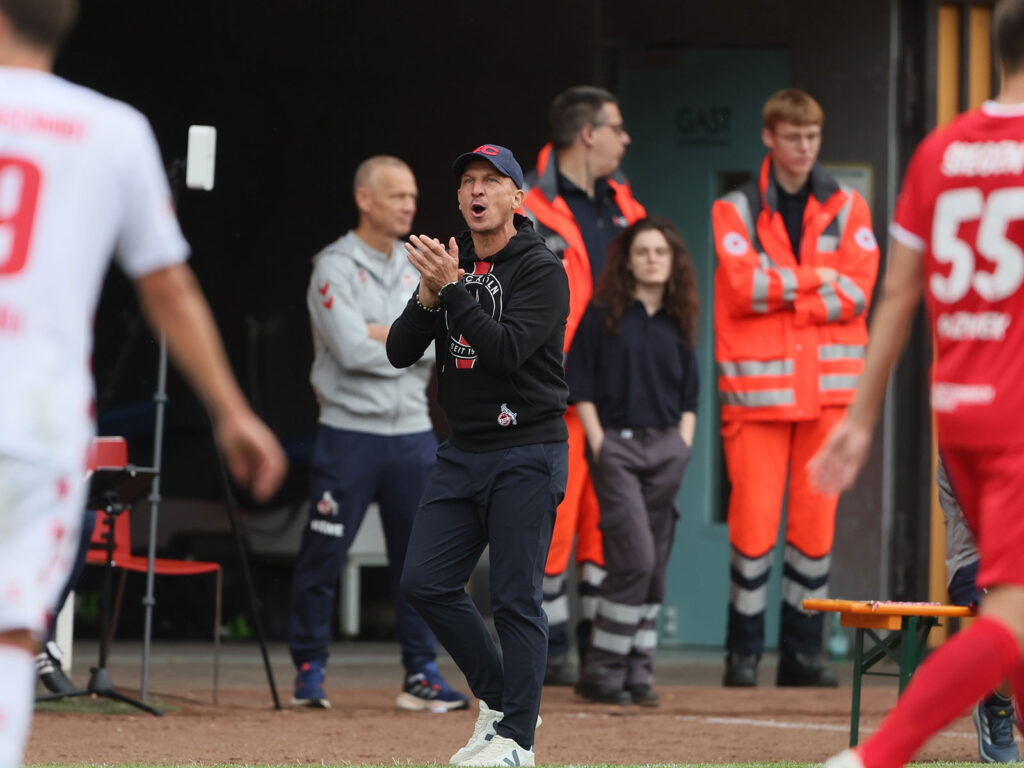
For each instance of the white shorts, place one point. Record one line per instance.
(41, 509)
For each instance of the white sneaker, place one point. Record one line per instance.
(848, 758)
(483, 731)
(501, 751)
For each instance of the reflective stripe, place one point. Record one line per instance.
(788, 284)
(759, 398)
(748, 602)
(612, 643)
(749, 567)
(745, 368)
(650, 611)
(593, 574)
(841, 351)
(619, 612)
(853, 293)
(742, 206)
(588, 606)
(645, 639)
(811, 567)
(759, 295)
(557, 610)
(827, 243)
(554, 585)
(794, 593)
(833, 381)
(844, 212)
(832, 306)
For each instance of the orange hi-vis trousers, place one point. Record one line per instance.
(576, 520)
(578, 513)
(760, 455)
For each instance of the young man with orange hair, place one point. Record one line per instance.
(797, 261)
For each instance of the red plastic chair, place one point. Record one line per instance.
(112, 452)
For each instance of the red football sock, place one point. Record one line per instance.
(957, 675)
(1017, 680)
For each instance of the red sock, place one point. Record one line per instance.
(954, 677)
(1017, 680)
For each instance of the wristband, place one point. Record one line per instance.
(444, 289)
(424, 307)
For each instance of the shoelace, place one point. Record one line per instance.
(1000, 724)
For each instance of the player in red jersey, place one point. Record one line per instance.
(958, 236)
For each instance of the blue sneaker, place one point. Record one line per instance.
(427, 691)
(309, 687)
(993, 719)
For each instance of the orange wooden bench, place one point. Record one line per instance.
(908, 625)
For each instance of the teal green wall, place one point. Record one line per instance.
(693, 115)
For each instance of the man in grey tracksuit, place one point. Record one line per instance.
(374, 440)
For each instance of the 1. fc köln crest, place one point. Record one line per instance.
(486, 289)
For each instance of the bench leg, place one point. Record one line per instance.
(909, 654)
(858, 664)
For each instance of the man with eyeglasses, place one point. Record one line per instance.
(796, 265)
(579, 201)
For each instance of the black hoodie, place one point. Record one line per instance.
(499, 338)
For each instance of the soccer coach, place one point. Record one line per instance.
(494, 303)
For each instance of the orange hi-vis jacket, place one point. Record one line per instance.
(554, 221)
(787, 343)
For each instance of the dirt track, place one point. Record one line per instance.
(693, 724)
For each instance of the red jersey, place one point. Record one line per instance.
(962, 205)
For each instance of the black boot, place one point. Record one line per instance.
(601, 694)
(803, 670)
(740, 670)
(643, 694)
(560, 671)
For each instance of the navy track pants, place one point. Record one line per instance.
(349, 471)
(505, 499)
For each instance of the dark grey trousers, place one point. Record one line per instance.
(636, 477)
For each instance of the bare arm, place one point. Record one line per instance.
(378, 333)
(687, 426)
(174, 304)
(587, 412)
(836, 465)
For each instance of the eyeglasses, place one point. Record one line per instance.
(617, 128)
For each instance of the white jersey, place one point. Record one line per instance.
(80, 178)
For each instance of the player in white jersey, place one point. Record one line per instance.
(80, 177)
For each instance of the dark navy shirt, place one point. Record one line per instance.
(792, 209)
(643, 376)
(599, 220)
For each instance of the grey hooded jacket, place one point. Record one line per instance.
(356, 386)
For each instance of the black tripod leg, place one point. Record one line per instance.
(59, 696)
(229, 504)
(133, 702)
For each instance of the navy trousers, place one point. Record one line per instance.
(349, 471)
(505, 499)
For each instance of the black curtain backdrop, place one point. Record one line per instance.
(300, 91)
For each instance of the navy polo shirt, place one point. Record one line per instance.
(643, 376)
(792, 209)
(599, 219)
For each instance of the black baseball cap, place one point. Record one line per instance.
(499, 157)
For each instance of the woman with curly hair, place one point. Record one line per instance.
(632, 374)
